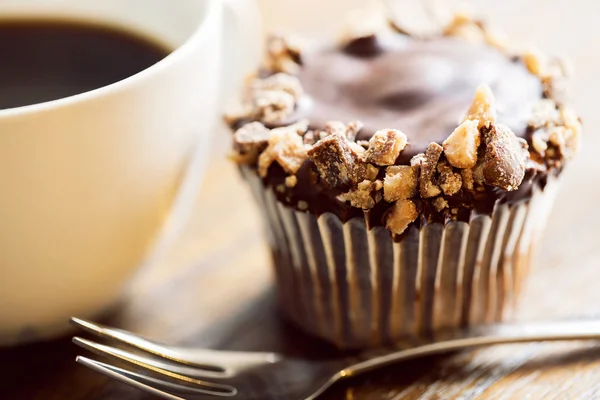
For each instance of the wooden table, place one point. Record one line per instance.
(213, 288)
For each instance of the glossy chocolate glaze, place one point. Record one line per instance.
(421, 87)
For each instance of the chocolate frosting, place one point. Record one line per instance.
(421, 87)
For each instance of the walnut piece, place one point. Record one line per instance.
(461, 146)
(400, 182)
(428, 163)
(286, 148)
(400, 216)
(337, 162)
(483, 107)
(504, 159)
(385, 147)
(249, 141)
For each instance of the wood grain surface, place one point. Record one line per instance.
(214, 287)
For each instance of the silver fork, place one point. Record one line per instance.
(174, 372)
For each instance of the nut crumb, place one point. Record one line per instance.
(400, 216)
(544, 112)
(539, 141)
(439, 203)
(385, 147)
(279, 82)
(249, 141)
(462, 26)
(428, 163)
(535, 63)
(302, 205)
(400, 182)
(461, 146)
(272, 106)
(285, 147)
(450, 181)
(282, 55)
(483, 108)
(556, 136)
(467, 178)
(291, 181)
(309, 138)
(574, 130)
(362, 197)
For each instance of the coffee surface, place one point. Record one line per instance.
(43, 60)
(421, 87)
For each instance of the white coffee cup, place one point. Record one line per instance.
(92, 184)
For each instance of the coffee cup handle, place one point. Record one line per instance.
(243, 43)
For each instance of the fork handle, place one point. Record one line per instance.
(499, 334)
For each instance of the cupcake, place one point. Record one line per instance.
(404, 181)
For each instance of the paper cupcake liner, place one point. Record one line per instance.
(356, 287)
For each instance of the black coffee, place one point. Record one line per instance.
(42, 60)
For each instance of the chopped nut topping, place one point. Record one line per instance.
(556, 136)
(428, 165)
(483, 107)
(282, 55)
(302, 205)
(400, 216)
(462, 26)
(385, 147)
(350, 130)
(539, 141)
(535, 63)
(309, 138)
(249, 141)
(439, 203)
(467, 178)
(338, 164)
(461, 146)
(272, 106)
(450, 181)
(334, 126)
(358, 149)
(280, 82)
(291, 181)
(371, 172)
(544, 112)
(400, 182)
(556, 87)
(504, 160)
(362, 197)
(574, 129)
(286, 148)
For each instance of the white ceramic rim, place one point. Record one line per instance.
(178, 53)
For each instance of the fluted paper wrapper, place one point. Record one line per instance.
(356, 287)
